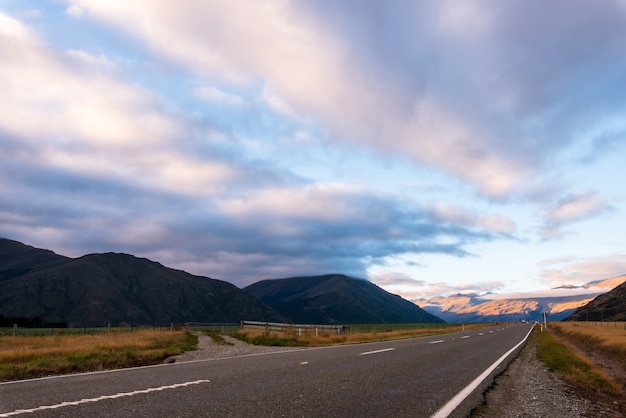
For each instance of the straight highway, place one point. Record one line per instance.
(438, 376)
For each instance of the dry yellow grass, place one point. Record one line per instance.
(293, 337)
(608, 337)
(609, 333)
(602, 340)
(24, 357)
(602, 345)
(14, 349)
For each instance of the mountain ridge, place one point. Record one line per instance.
(122, 290)
(17, 258)
(486, 308)
(337, 299)
(610, 306)
(117, 289)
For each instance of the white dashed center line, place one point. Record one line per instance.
(100, 398)
(376, 351)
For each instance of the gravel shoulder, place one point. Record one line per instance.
(525, 389)
(209, 349)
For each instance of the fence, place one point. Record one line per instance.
(605, 324)
(299, 328)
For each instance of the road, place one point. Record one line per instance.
(404, 378)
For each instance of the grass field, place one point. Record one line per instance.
(24, 357)
(608, 338)
(589, 356)
(32, 332)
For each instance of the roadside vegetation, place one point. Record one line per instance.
(607, 339)
(217, 338)
(293, 337)
(23, 357)
(590, 357)
(30, 353)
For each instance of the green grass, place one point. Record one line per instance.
(571, 367)
(270, 340)
(217, 338)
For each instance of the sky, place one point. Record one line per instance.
(432, 147)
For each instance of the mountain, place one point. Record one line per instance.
(472, 308)
(120, 289)
(476, 308)
(337, 299)
(609, 306)
(17, 259)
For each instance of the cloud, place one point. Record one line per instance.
(576, 207)
(48, 99)
(397, 279)
(12, 29)
(570, 209)
(97, 164)
(69, 111)
(325, 228)
(475, 92)
(453, 214)
(93, 61)
(418, 290)
(576, 271)
(30, 13)
(228, 155)
(213, 94)
(74, 11)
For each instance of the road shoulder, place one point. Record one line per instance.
(527, 389)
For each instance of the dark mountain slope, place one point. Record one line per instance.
(17, 259)
(337, 299)
(121, 289)
(610, 306)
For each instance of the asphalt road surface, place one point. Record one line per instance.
(405, 378)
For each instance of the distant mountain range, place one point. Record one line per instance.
(337, 299)
(609, 306)
(122, 290)
(475, 308)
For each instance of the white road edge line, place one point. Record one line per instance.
(376, 351)
(447, 409)
(100, 398)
